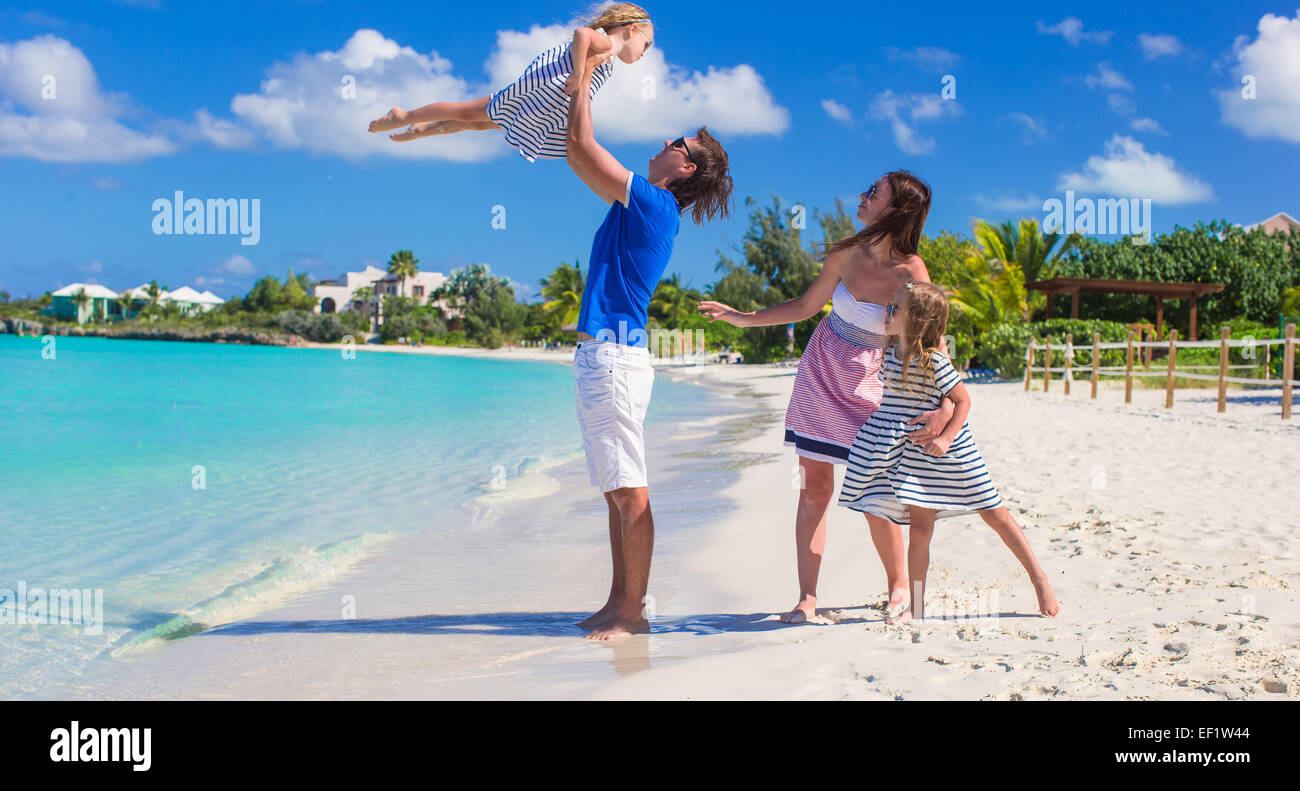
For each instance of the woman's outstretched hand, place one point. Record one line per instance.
(717, 310)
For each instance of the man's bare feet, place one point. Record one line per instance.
(620, 628)
(1047, 604)
(899, 600)
(603, 615)
(802, 611)
(394, 119)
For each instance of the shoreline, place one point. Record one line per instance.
(1172, 585)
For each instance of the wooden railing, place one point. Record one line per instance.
(1097, 370)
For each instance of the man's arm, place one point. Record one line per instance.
(594, 165)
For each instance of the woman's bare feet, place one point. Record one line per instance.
(802, 611)
(394, 119)
(1047, 604)
(619, 628)
(899, 600)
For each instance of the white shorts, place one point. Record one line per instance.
(611, 387)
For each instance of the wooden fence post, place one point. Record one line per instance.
(1169, 383)
(1029, 362)
(1069, 360)
(1047, 363)
(1128, 371)
(1224, 331)
(1096, 357)
(1288, 371)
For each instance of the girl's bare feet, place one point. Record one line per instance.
(802, 612)
(394, 119)
(1047, 604)
(902, 618)
(899, 600)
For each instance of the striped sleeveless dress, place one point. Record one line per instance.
(837, 388)
(534, 109)
(886, 472)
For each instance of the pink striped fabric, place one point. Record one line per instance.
(836, 390)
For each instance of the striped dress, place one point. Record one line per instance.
(886, 472)
(837, 388)
(534, 109)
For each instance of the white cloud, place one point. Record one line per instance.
(236, 265)
(1107, 78)
(79, 123)
(1147, 125)
(904, 110)
(1071, 29)
(837, 111)
(1026, 202)
(1128, 170)
(1121, 104)
(300, 105)
(94, 266)
(1035, 128)
(106, 184)
(218, 131)
(1159, 45)
(1272, 61)
(929, 58)
(42, 20)
(204, 282)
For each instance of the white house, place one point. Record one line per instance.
(101, 302)
(340, 293)
(190, 301)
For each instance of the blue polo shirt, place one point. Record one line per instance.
(628, 257)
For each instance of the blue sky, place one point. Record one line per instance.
(243, 100)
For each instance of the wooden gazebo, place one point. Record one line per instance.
(1161, 292)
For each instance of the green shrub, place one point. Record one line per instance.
(1003, 347)
(315, 327)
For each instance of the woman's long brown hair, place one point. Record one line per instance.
(902, 222)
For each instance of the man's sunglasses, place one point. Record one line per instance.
(681, 141)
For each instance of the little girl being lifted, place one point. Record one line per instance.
(534, 109)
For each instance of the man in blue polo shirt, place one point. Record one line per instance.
(611, 368)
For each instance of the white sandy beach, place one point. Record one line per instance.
(1170, 536)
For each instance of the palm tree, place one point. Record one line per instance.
(563, 292)
(404, 264)
(672, 301)
(80, 299)
(124, 301)
(1024, 244)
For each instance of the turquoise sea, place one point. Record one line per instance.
(194, 483)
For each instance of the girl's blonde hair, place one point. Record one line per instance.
(616, 14)
(926, 320)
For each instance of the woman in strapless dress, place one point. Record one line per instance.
(837, 388)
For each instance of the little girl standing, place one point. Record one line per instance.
(910, 484)
(534, 109)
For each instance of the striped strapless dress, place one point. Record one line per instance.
(838, 385)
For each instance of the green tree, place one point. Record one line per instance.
(672, 303)
(403, 264)
(562, 290)
(779, 264)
